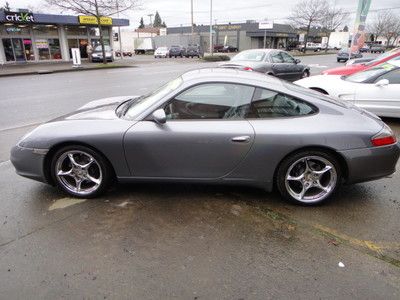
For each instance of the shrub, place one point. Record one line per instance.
(218, 57)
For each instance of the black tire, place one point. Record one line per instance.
(338, 60)
(107, 173)
(288, 162)
(305, 74)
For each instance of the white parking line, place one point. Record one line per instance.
(317, 66)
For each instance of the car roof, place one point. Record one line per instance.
(261, 50)
(228, 74)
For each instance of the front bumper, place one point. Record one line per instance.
(29, 162)
(371, 163)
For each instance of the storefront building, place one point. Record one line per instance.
(30, 37)
(242, 35)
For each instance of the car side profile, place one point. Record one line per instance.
(273, 62)
(375, 89)
(212, 126)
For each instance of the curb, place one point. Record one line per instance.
(44, 71)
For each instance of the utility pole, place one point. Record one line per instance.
(151, 19)
(211, 37)
(119, 31)
(191, 11)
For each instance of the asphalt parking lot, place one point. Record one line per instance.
(152, 241)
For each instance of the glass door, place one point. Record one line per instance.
(8, 50)
(18, 49)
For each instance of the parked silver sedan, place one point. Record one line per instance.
(213, 126)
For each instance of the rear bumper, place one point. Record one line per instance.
(28, 163)
(371, 163)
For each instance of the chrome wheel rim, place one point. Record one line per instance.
(311, 179)
(78, 172)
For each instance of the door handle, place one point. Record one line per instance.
(241, 139)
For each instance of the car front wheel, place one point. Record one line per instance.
(309, 177)
(80, 171)
(305, 74)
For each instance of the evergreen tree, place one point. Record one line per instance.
(141, 25)
(157, 20)
(346, 28)
(164, 25)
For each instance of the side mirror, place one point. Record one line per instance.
(159, 116)
(297, 61)
(382, 82)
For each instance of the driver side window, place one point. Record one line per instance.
(211, 101)
(287, 58)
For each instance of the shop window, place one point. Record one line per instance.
(54, 46)
(48, 49)
(41, 30)
(76, 30)
(78, 43)
(94, 31)
(14, 30)
(29, 55)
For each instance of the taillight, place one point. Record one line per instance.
(384, 137)
(248, 69)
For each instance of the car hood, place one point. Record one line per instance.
(102, 109)
(241, 64)
(346, 70)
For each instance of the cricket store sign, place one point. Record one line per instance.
(19, 17)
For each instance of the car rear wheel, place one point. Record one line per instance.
(80, 171)
(309, 177)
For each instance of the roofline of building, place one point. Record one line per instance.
(61, 20)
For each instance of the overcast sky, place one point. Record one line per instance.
(177, 12)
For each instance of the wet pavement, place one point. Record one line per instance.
(152, 241)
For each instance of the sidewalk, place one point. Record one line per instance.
(58, 67)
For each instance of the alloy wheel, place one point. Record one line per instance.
(78, 172)
(311, 179)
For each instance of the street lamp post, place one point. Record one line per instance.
(211, 37)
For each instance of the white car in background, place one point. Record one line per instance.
(376, 89)
(161, 52)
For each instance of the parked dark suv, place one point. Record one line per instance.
(377, 48)
(176, 51)
(194, 51)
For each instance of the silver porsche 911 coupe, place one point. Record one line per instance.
(213, 126)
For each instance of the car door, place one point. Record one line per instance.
(383, 100)
(205, 136)
(294, 70)
(278, 66)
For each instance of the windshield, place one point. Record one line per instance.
(137, 107)
(250, 55)
(380, 57)
(106, 48)
(367, 74)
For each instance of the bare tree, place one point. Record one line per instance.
(333, 19)
(387, 25)
(308, 13)
(378, 26)
(96, 8)
(391, 28)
